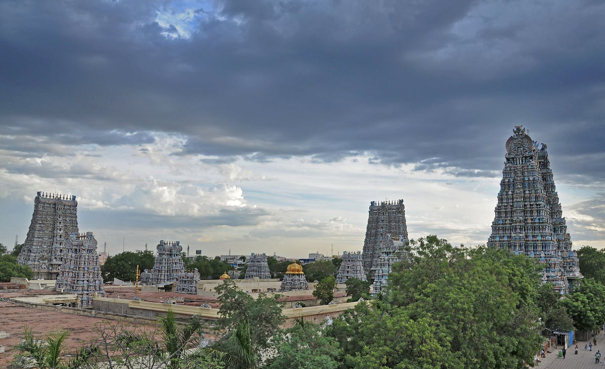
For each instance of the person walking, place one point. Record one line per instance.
(590, 346)
(564, 352)
(595, 341)
(576, 350)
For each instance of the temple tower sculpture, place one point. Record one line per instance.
(168, 264)
(528, 217)
(351, 267)
(294, 280)
(80, 272)
(257, 267)
(55, 218)
(391, 251)
(186, 282)
(385, 217)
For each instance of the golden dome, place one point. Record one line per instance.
(294, 269)
(225, 276)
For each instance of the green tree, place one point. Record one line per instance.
(324, 290)
(356, 288)
(553, 314)
(591, 263)
(304, 346)
(9, 267)
(45, 353)
(448, 307)
(277, 268)
(3, 249)
(17, 250)
(585, 305)
(237, 306)
(208, 268)
(124, 265)
(176, 340)
(318, 270)
(337, 262)
(240, 353)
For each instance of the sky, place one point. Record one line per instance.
(269, 125)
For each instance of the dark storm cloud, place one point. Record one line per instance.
(407, 81)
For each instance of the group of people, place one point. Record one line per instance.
(588, 347)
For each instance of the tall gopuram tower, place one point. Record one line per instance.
(386, 217)
(55, 218)
(168, 264)
(528, 218)
(257, 267)
(80, 272)
(351, 267)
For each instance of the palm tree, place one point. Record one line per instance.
(176, 340)
(240, 353)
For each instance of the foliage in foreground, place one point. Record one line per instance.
(447, 307)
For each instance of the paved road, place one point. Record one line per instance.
(583, 360)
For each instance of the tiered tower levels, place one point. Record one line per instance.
(80, 272)
(168, 264)
(528, 217)
(55, 218)
(391, 251)
(351, 267)
(386, 217)
(294, 280)
(257, 267)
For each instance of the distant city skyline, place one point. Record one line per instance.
(270, 126)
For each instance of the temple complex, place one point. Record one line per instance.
(528, 217)
(294, 280)
(385, 217)
(55, 218)
(186, 282)
(391, 251)
(351, 267)
(80, 273)
(168, 264)
(257, 267)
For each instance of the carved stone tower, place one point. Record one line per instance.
(257, 267)
(80, 272)
(386, 217)
(391, 251)
(351, 267)
(528, 218)
(294, 280)
(168, 264)
(55, 218)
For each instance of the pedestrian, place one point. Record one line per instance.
(590, 346)
(595, 341)
(564, 352)
(542, 354)
(576, 349)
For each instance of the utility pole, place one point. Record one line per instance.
(16, 240)
(136, 283)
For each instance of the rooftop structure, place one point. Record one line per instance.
(528, 217)
(168, 264)
(186, 282)
(391, 251)
(385, 217)
(351, 267)
(80, 272)
(257, 267)
(55, 218)
(294, 280)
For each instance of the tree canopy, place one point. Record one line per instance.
(9, 267)
(124, 265)
(318, 270)
(208, 268)
(324, 290)
(356, 288)
(448, 307)
(591, 263)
